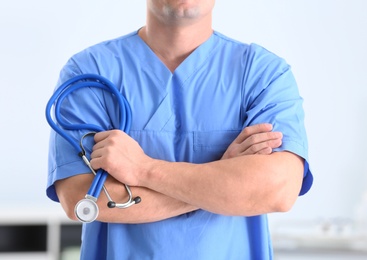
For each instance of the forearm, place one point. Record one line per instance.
(153, 207)
(247, 185)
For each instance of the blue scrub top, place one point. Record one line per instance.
(190, 115)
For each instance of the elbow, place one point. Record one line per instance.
(285, 195)
(70, 191)
(68, 205)
(287, 185)
(284, 204)
(69, 210)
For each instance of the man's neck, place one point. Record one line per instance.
(173, 44)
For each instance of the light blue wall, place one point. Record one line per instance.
(324, 41)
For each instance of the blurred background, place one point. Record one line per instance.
(325, 43)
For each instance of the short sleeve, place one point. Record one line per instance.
(272, 96)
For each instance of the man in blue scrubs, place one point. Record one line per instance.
(217, 141)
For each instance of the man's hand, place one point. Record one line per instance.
(119, 155)
(256, 139)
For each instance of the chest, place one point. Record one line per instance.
(204, 101)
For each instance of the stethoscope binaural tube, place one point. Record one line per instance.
(86, 210)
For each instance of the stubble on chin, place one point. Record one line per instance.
(180, 13)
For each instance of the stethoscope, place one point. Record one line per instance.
(86, 210)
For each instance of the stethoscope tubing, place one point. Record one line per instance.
(74, 84)
(97, 184)
(87, 209)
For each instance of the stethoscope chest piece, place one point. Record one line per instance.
(86, 210)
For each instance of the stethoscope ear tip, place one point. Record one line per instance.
(137, 200)
(111, 204)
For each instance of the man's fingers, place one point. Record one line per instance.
(101, 136)
(252, 130)
(265, 147)
(256, 139)
(261, 138)
(265, 151)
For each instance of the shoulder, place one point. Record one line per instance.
(101, 57)
(105, 51)
(252, 54)
(111, 45)
(252, 48)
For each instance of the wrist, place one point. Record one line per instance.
(152, 173)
